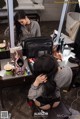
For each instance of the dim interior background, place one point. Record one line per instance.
(15, 97)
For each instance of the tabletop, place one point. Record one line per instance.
(65, 61)
(62, 63)
(7, 77)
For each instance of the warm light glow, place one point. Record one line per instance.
(79, 2)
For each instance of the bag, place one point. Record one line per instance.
(2, 3)
(37, 46)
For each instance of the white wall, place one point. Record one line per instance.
(52, 11)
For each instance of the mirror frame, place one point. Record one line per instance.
(65, 5)
(11, 21)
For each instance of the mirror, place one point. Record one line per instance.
(4, 23)
(71, 8)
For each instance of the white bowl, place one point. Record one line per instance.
(66, 52)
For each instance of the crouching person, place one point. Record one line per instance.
(45, 90)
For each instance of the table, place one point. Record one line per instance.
(65, 61)
(9, 81)
(74, 66)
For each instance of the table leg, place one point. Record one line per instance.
(2, 104)
(75, 74)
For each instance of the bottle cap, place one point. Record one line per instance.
(28, 71)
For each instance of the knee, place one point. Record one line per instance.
(55, 104)
(46, 107)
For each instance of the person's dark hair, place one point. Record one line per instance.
(19, 15)
(47, 65)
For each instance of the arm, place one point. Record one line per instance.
(63, 77)
(32, 94)
(38, 31)
(36, 89)
(6, 32)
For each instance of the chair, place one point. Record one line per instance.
(31, 47)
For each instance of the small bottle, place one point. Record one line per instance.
(8, 45)
(28, 71)
(4, 41)
(62, 46)
(59, 40)
(66, 51)
(54, 37)
(0, 65)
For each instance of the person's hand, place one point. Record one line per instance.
(57, 55)
(40, 79)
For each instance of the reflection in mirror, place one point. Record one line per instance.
(4, 38)
(5, 10)
(68, 6)
(72, 21)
